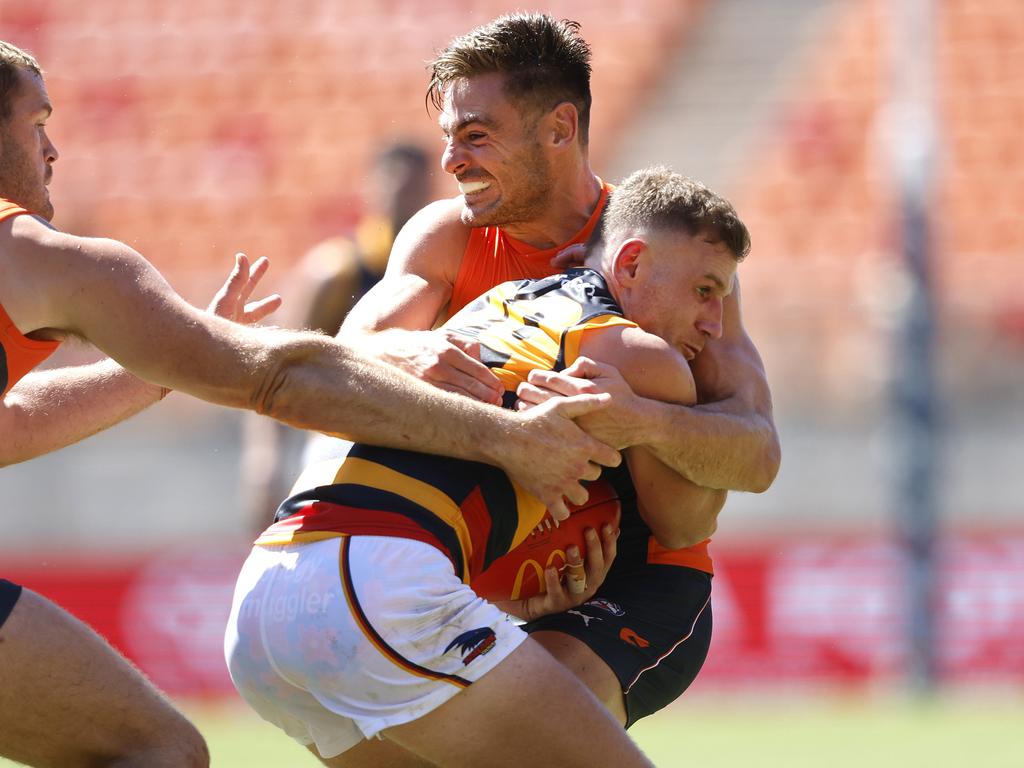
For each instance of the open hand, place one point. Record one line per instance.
(447, 360)
(230, 301)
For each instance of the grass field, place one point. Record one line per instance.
(740, 731)
(743, 731)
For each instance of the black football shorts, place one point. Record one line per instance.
(651, 625)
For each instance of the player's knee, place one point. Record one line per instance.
(177, 745)
(189, 748)
(195, 753)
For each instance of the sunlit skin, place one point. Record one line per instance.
(26, 153)
(494, 153)
(673, 285)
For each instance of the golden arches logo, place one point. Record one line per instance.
(538, 571)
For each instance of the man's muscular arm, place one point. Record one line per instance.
(727, 442)
(48, 410)
(392, 321)
(679, 512)
(421, 272)
(105, 292)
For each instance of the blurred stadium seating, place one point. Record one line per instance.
(227, 125)
(194, 129)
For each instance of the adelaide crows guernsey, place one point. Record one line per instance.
(18, 354)
(492, 257)
(470, 511)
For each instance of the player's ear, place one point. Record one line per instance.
(564, 122)
(626, 260)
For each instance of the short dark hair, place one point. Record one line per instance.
(545, 62)
(660, 198)
(12, 59)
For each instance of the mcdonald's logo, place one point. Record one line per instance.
(529, 564)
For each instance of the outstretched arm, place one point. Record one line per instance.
(48, 410)
(105, 292)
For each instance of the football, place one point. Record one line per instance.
(520, 574)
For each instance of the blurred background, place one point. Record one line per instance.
(873, 150)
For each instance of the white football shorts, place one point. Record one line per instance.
(335, 640)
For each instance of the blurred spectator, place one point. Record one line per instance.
(327, 282)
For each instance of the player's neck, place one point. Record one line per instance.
(572, 203)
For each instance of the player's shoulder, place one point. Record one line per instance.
(651, 366)
(434, 238)
(34, 237)
(43, 270)
(32, 246)
(441, 219)
(23, 234)
(632, 344)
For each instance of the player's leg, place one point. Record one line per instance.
(336, 641)
(651, 692)
(639, 642)
(528, 710)
(286, 634)
(68, 699)
(529, 694)
(573, 654)
(589, 668)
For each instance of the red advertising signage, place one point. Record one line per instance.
(814, 609)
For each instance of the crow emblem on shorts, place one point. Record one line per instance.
(474, 643)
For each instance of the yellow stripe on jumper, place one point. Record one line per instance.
(373, 475)
(572, 339)
(531, 512)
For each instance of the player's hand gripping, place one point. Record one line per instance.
(230, 301)
(612, 425)
(550, 455)
(447, 360)
(560, 595)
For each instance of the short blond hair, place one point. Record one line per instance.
(660, 198)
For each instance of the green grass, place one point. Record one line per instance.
(741, 731)
(744, 731)
(837, 732)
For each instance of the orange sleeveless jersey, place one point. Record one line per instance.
(18, 354)
(492, 258)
